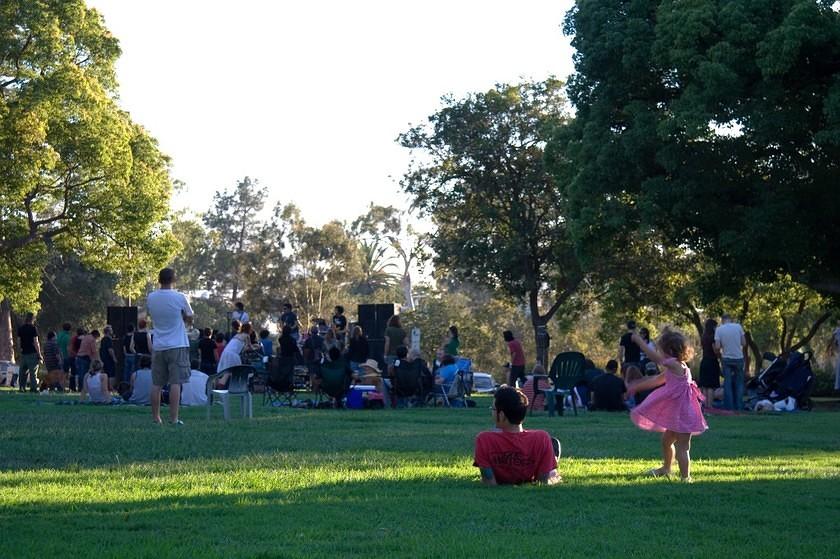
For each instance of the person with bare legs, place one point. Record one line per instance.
(674, 409)
(171, 313)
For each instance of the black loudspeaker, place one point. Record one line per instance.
(120, 317)
(374, 319)
(377, 350)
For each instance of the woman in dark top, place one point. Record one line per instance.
(207, 352)
(709, 366)
(358, 351)
(141, 343)
(288, 347)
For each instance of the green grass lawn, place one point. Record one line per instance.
(105, 482)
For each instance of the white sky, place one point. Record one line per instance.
(308, 97)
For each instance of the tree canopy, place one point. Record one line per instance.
(715, 123)
(77, 176)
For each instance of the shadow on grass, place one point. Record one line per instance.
(458, 518)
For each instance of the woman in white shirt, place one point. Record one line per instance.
(95, 385)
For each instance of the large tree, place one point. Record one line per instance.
(479, 172)
(715, 123)
(77, 175)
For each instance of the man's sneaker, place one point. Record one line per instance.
(177, 422)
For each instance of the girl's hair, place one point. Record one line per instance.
(454, 331)
(394, 321)
(709, 329)
(507, 335)
(245, 328)
(645, 334)
(96, 366)
(357, 332)
(674, 344)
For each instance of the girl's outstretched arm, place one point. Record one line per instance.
(647, 383)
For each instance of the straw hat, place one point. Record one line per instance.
(372, 364)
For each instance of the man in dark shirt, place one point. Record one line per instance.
(30, 354)
(290, 319)
(607, 390)
(628, 352)
(340, 324)
(206, 351)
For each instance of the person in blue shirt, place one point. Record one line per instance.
(447, 371)
(265, 342)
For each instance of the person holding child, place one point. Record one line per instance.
(674, 409)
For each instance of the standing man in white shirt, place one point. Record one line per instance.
(171, 312)
(240, 314)
(731, 344)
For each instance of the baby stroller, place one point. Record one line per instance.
(783, 378)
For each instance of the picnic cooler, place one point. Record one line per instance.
(355, 398)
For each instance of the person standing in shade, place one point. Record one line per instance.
(141, 342)
(207, 352)
(340, 325)
(88, 352)
(239, 314)
(30, 354)
(709, 378)
(171, 312)
(730, 343)
(395, 337)
(517, 359)
(628, 352)
(834, 350)
(453, 343)
(63, 341)
(129, 357)
(107, 354)
(290, 319)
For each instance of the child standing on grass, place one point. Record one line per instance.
(674, 410)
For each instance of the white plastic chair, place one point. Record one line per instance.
(237, 387)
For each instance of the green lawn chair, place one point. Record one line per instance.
(334, 381)
(566, 370)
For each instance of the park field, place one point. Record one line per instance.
(84, 481)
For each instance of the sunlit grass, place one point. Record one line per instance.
(295, 483)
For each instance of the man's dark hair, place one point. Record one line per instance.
(447, 360)
(612, 365)
(207, 332)
(631, 324)
(512, 402)
(66, 327)
(239, 305)
(402, 352)
(166, 276)
(50, 335)
(94, 333)
(454, 331)
(287, 306)
(29, 317)
(339, 309)
(263, 334)
(334, 353)
(507, 335)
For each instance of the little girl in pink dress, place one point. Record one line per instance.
(674, 409)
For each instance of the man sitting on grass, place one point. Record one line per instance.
(509, 454)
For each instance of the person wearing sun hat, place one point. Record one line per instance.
(370, 373)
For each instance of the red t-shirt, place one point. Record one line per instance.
(517, 354)
(515, 457)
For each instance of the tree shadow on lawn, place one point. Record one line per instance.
(60, 437)
(415, 517)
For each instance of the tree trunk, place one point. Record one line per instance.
(756, 353)
(7, 344)
(811, 332)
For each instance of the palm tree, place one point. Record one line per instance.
(375, 269)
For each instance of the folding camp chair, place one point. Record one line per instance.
(566, 370)
(407, 384)
(334, 382)
(458, 389)
(237, 387)
(280, 384)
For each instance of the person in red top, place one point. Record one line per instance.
(517, 359)
(509, 454)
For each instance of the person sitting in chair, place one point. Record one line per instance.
(509, 454)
